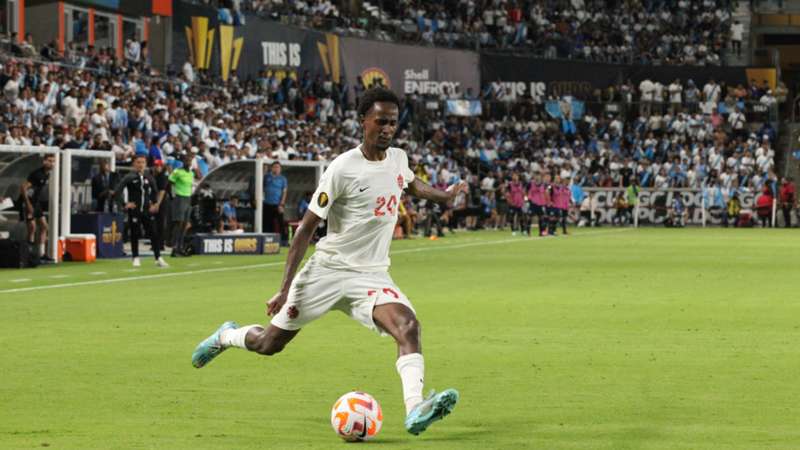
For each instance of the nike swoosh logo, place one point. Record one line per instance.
(363, 189)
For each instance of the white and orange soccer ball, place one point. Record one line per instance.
(356, 416)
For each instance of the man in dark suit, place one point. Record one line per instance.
(102, 187)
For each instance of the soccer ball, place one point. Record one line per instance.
(356, 416)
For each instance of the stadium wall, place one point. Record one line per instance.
(542, 78)
(248, 50)
(407, 69)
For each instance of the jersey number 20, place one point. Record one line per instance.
(388, 206)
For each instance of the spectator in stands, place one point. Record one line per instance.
(788, 200)
(103, 187)
(515, 135)
(737, 32)
(276, 187)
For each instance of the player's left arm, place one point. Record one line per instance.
(420, 189)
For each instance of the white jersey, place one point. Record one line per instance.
(360, 200)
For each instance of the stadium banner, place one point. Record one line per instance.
(248, 50)
(464, 108)
(236, 244)
(410, 69)
(655, 205)
(544, 78)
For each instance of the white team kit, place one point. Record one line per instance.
(348, 270)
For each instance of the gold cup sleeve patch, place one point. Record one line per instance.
(322, 200)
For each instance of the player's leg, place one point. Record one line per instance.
(136, 230)
(542, 220)
(564, 221)
(514, 220)
(41, 229)
(401, 323)
(526, 222)
(320, 292)
(30, 225)
(376, 302)
(267, 340)
(151, 222)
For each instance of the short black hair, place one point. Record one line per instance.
(375, 95)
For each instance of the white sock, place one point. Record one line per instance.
(42, 250)
(411, 368)
(236, 337)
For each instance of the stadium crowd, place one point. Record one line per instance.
(678, 135)
(620, 31)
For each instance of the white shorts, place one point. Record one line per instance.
(317, 289)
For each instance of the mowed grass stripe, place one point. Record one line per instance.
(280, 263)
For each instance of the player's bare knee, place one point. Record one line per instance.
(409, 329)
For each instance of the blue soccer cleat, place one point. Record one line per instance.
(211, 347)
(433, 408)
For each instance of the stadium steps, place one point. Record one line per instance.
(788, 141)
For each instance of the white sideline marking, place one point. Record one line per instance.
(21, 280)
(280, 263)
(97, 273)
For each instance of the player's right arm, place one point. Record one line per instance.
(323, 199)
(296, 253)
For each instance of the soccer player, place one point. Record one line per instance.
(516, 197)
(536, 192)
(137, 193)
(550, 206)
(34, 203)
(562, 195)
(359, 195)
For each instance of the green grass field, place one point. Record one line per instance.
(607, 339)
